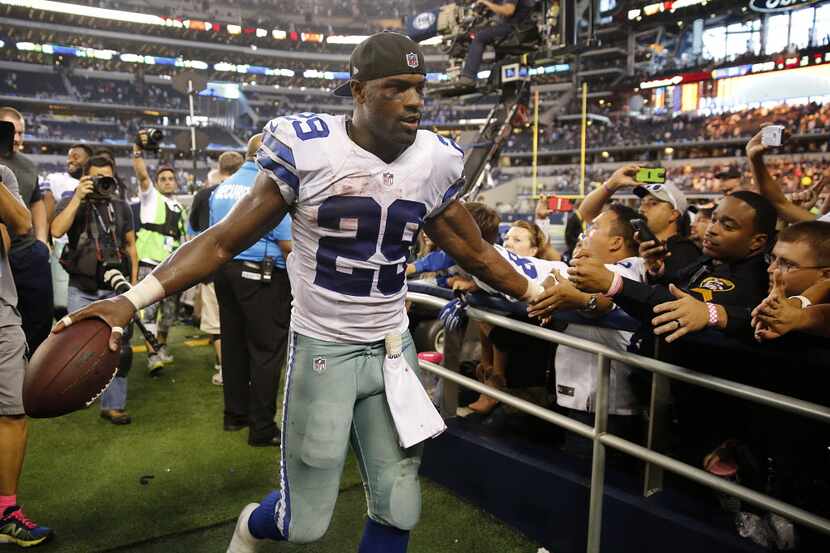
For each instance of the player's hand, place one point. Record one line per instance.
(680, 317)
(589, 274)
(654, 254)
(116, 312)
(562, 295)
(623, 178)
(84, 188)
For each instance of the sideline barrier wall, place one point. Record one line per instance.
(427, 295)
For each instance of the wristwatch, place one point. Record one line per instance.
(592, 303)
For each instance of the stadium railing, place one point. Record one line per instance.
(434, 297)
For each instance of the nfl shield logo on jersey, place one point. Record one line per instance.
(319, 365)
(387, 179)
(412, 60)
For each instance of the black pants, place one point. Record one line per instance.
(483, 37)
(254, 319)
(33, 278)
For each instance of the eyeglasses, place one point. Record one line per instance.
(786, 266)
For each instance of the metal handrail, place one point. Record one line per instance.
(601, 438)
(743, 391)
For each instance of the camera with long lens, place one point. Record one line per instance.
(152, 141)
(116, 280)
(103, 189)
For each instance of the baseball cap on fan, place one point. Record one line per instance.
(665, 192)
(382, 55)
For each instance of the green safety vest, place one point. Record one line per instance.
(156, 240)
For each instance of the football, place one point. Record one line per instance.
(69, 370)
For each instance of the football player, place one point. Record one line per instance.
(359, 189)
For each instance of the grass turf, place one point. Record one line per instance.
(174, 481)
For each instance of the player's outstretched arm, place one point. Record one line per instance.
(253, 216)
(456, 232)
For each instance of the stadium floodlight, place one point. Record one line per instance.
(88, 11)
(348, 39)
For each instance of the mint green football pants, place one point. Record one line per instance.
(334, 397)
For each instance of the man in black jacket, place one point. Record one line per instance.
(718, 290)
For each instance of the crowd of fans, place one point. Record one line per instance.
(629, 130)
(793, 174)
(719, 286)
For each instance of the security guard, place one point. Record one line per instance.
(161, 232)
(254, 296)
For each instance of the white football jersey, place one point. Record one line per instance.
(354, 220)
(576, 377)
(60, 184)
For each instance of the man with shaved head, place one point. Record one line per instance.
(254, 297)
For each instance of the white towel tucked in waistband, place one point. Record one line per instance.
(416, 418)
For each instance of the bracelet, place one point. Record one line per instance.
(616, 286)
(805, 301)
(713, 314)
(138, 155)
(147, 292)
(608, 190)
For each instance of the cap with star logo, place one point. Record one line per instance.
(382, 55)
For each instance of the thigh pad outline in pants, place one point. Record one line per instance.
(316, 420)
(390, 473)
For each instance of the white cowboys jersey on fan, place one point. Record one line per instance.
(537, 270)
(354, 219)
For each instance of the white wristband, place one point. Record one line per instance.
(805, 302)
(533, 290)
(147, 292)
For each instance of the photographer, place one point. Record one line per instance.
(161, 231)
(511, 13)
(29, 252)
(99, 226)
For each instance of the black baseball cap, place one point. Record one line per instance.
(382, 55)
